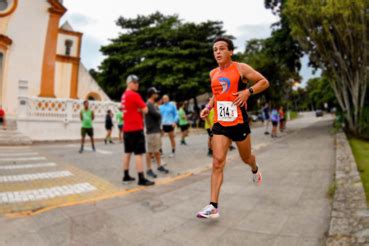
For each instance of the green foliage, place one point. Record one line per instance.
(364, 123)
(163, 51)
(293, 115)
(319, 92)
(360, 149)
(277, 58)
(335, 35)
(264, 56)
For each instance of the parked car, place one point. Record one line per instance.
(319, 113)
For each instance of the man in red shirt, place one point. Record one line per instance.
(134, 139)
(2, 117)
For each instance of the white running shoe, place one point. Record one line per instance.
(208, 212)
(171, 155)
(257, 178)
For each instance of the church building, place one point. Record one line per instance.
(40, 58)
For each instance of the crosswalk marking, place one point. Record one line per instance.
(18, 154)
(38, 158)
(48, 193)
(27, 166)
(104, 152)
(34, 176)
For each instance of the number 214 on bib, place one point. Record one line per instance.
(226, 111)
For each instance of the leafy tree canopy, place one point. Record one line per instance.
(163, 51)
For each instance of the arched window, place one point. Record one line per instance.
(68, 47)
(4, 5)
(93, 96)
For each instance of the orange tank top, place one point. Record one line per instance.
(224, 83)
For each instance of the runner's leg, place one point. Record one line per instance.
(244, 149)
(220, 145)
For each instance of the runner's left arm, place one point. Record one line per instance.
(250, 74)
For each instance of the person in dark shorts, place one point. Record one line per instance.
(274, 117)
(183, 123)
(87, 116)
(169, 118)
(266, 118)
(108, 126)
(134, 139)
(153, 133)
(230, 95)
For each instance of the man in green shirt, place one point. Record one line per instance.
(119, 118)
(87, 116)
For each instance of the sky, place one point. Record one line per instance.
(244, 19)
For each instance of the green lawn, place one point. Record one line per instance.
(360, 148)
(293, 115)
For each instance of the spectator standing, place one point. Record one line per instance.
(183, 123)
(119, 119)
(153, 132)
(87, 116)
(275, 120)
(266, 118)
(169, 118)
(108, 126)
(134, 139)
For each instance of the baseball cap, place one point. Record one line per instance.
(151, 91)
(131, 78)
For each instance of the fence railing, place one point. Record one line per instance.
(57, 109)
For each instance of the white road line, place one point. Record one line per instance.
(18, 154)
(26, 166)
(13, 147)
(104, 152)
(43, 194)
(34, 176)
(39, 158)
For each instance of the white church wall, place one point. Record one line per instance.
(49, 119)
(61, 44)
(63, 77)
(27, 29)
(87, 84)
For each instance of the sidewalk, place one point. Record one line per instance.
(290, 208)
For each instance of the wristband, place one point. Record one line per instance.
(209, 107)
(251, 91)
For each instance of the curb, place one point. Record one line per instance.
(349, 223)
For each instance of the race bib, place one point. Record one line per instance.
(226, 111)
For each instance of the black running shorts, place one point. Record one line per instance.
(88, 131)
(184, 127)
(235, 133)
(168, 128)
(134, 142)
(210, 132)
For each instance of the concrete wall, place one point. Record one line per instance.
(27, 28)
(87, 84)
(58, 130)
